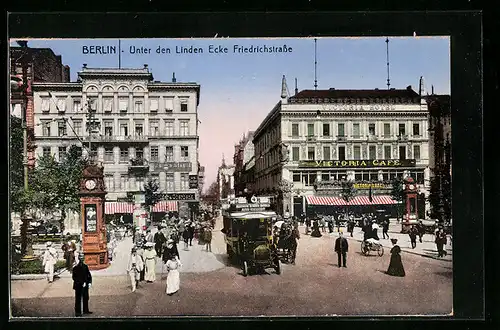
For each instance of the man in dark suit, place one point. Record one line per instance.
(82, 281)
(341, 247)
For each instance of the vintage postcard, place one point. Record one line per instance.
(230, 177)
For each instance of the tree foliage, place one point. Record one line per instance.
(348, 191)
(211, 196)
(18, 201)
(397, 193)
(152, 195)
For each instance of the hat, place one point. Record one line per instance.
(48, 244)
(394, 240)
(170, 241)
(149, 244)
(134, 249)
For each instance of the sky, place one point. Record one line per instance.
(238, 90)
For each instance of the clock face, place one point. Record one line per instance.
(411, 186)
(90, 184)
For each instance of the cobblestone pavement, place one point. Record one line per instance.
(314, 286)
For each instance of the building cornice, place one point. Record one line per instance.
(267, 121)
(313, 114)
(57, 86)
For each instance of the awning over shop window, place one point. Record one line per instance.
(358, 200)
(128, 208)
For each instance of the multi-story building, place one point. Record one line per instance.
(244, 161)
(440, 155)
(312, 141)
(146, 129)
(41, 65)
(225, 180)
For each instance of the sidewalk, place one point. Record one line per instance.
(426, 249)
(194, 260)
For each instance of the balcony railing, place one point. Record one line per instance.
(341, 138)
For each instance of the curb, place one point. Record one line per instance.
(407, 251)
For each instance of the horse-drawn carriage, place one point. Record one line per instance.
(372, 244)
(249, 239)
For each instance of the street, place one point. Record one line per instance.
(211, 287)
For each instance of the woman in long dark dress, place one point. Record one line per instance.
(315, 232)
(395, 266)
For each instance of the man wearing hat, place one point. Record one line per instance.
(134, 268)
(82, 281)
(49, 260)
(341, 247)
(149, 256)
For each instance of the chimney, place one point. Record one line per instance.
(84, 65)
(296, 88)
(284, 93)
(421, 89)
(173, 78)
(432, 89)
(145, 66)
(408, 88)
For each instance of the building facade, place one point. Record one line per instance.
(225, 181)
(312, 141)
(41, 65)
(244, 161)
(146, 129)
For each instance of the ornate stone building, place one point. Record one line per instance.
(145, 128)
(315, 139)
(244, 161)
(225, 179)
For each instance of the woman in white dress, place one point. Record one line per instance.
(173, 280)
(150, 263)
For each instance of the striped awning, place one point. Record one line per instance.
(358, 200)
(128, 208)
(165, 206)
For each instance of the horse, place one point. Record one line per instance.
(288, 241)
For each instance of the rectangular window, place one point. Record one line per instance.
(295, 153)
(402, 129)
(124, 182)
(184, 127)
(108, 128)
(169, 104)
(124, 128)
(357, 152)
(45, 104)
(154, 154)
(77, 106)
(109, 155)
(184, 181)
(355, 130)
(184, 106)
(139, 153)
(387, 152)
(170, 182)
(416, 129)
(61, 128)
(325, 177)
(341, 153)
(77, 127)
(371, 129)
(326, 153)
(387, 130)
(310, 129)
(153, 104)
(402, 152)
(295, 130)
(107, 104)
(341, 131)
(154, 128)
(372, 150)
(169, 128)
(139, 129)
(169, 153)
(310, 153)
(124, 155)
(46, 151)
(184, 153)
(92, 102)
(109, 181)
(296, 177)
(61, 104)
(326, 129)
(416, 152)
(123, 104)
(138, 106)
(46, 127)
(62, 153)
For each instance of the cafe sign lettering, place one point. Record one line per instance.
(358, 163)
(180, 197)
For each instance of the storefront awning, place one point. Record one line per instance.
(358, 200)
(128, 208)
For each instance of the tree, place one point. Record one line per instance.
(152, 195)
(397, 193)
(348, 191)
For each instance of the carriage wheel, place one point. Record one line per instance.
(245, 268)
(364, 250)
(278, 267)
(380, 251)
